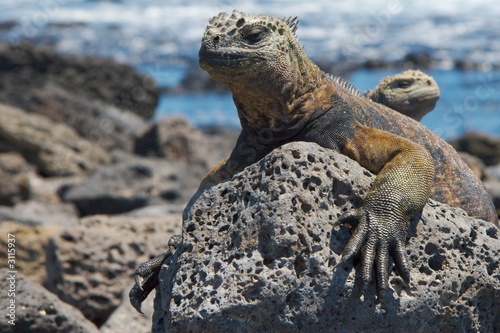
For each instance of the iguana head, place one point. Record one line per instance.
(238, 47)
(259, 58)
(412, 93)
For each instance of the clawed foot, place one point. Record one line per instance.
(376, 238)
(146, 275)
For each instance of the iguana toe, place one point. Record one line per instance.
(401, 261)
(382, 270)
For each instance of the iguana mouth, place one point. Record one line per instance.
(226, 59)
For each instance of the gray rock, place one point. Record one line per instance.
(484, 146)
(259, 254)
(100, 123)
(25, 68)
(55, 148)
(492, 183)
(493, 172)
(125, 319)
(176, 140)
(31, 242)
(90, 265)
(133, 184)
(493, 187)
(14, 178)
(222, 138)
(33, 213)
(38, 310)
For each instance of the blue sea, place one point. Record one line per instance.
(162, 37)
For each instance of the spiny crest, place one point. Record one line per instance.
(349, 87)
(293, 23)
(227, 21)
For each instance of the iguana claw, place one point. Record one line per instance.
(146, 275)
(376, 240)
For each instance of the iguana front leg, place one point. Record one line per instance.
(405, 172)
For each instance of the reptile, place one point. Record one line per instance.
(412, 93)
(282, 96)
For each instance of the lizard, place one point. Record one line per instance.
(412, 93)
(391, 91)
(282, 96)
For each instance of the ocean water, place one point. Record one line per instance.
(161, 37)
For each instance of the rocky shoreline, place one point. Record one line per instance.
(90, 188)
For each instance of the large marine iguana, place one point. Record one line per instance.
(282, 96)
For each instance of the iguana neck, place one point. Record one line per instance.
(283, 103)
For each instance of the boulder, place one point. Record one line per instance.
(34, 212)
(90, 265)
(222, 138)
(55, 148)
(474, 163)
(133, 184)
(492, 183)
(25, 68)
(126, 319)
(260, 253)
(175, 139)
(36, 309)
(30, 247)
(100, 123)
(14, 179)
(484, 146)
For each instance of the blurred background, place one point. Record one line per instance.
(457, 42)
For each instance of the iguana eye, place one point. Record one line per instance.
(404, 84)
(255, 34)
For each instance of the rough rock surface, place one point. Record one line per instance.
(126, 319)
(484, 146)
(100, 123)
(136, 183)
(55, 148)
(30, 247)
(259, 254)
(33, 213)
(14, 178)
(175, 139)
(24, 69)
(90, 265)
(38, 310)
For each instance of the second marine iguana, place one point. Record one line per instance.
(282, 96)
(412, 93)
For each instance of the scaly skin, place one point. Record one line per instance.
(412, 93)
(282, 96)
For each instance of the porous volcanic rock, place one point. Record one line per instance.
(37, 309)
(260, 254)
(90, 265)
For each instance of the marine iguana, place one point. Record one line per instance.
(282, 96)
(412, 93)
